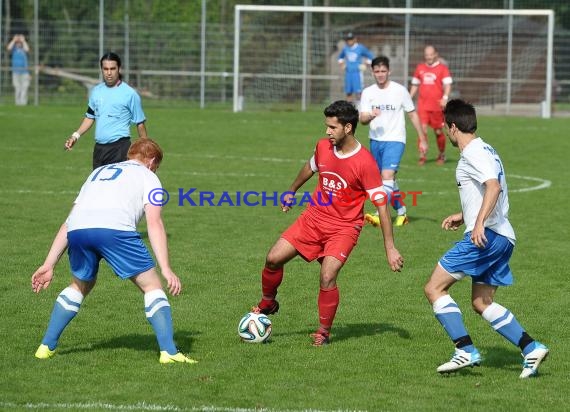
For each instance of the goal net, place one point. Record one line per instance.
(286, 57)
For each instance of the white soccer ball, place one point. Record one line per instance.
(254, 328)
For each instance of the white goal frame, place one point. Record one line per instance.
(241, 8)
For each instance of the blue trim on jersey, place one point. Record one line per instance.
(114, 110)
(124, 251)
(489, 265)
(388, 155)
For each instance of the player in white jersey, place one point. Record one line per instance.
(102, 225)
(383, 105)
(483, 253)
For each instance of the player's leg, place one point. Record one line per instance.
(350, 85)
(448, 271)
(328, 299)
(390, 163)
(66, 307)
(272, 275)
(159, 315)
(449, 315)
(502, 320)
(84, 264)
(130, 259)
(376, 149)
(339, 243)
(436, 122)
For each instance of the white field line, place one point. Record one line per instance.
(143, 406)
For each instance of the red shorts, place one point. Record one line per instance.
(433, 118)
(315, 241)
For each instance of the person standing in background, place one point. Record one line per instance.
(19, 49)
(432, 80)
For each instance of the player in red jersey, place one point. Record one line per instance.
(433, 81)
(329, 227)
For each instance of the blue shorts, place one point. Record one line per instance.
(124, 251)
(489, 265)
(388, 155)
(353, 82)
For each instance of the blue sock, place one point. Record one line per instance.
(159, 315)
(449, 315)
(64, 310)
(504, 322)
(391, 186)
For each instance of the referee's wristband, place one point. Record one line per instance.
(75, 135)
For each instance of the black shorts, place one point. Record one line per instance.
(105, 154)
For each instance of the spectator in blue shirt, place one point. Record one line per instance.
(19, 49)
(113, 106)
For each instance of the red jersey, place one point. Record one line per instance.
(345, 182)
(430, 80)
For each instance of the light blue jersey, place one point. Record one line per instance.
(114, 109)
(352, 57)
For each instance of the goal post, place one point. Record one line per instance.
(501, 59)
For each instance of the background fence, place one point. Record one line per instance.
(182, 50)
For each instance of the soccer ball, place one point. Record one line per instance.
(254, 328)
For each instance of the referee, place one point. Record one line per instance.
(113, 106)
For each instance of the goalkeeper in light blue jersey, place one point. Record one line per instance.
(354, 58)
(113, 106)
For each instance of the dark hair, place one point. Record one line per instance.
(344, 111)
(462, 114)
(110, 56)
(381, 61)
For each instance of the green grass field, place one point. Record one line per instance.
(386, 342)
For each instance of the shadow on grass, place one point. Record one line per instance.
(146, 342)
(502, 358)
(356, 330)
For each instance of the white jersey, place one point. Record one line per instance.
(393, 101)
(113, 197)
(478, 163)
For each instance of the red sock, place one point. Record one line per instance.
(441, 142)
(328, 302)
(270, 281)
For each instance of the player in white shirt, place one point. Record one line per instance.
(382, 106)
(483, 253)
(102, 225)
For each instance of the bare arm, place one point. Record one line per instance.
(366, 117)
(25, 45)
(413, 90)
(446, 93)
(43, 276)
(159, 244)
(452, 222)
(10, 45)
(492, 192)
(85, 125)
(415, 119)
(141, 129)
(304, 174)
(395, 260)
